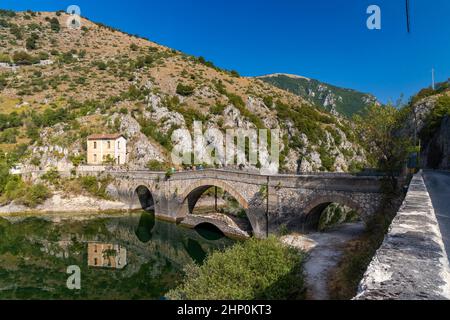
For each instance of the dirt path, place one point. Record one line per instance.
(324, 253)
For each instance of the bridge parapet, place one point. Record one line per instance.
(411, 264)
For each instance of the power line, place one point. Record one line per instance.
(408, 24)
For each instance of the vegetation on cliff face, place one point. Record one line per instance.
(255, 269)
(68, 84)
(434, 119)
(13, 188)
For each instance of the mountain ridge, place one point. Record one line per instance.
(338, 100)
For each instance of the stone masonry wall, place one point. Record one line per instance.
(412, 263)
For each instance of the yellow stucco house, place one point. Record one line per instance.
(106, 149)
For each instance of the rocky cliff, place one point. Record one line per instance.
(428, 115)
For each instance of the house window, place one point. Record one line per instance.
(95, 144)
(95, 261)
(95, 158)
(109, 144)
(118, 145)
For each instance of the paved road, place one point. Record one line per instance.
(438, 185)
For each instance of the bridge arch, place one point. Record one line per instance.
(193, 193)
(314, 208)
(190, 197)
(145, 197)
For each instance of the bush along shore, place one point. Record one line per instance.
(255, 269)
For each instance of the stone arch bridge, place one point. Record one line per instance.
(292, 201)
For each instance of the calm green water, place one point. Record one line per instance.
(36, 252)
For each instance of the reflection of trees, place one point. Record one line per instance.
(153, 264)
(195, 251)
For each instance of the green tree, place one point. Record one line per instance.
(31, 42)
(54, 24)
(378, 129)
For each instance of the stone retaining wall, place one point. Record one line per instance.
(412, 263)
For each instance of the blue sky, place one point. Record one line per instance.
(322, 39)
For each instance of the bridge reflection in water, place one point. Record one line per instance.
(156, 253)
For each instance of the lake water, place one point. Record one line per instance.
(131, 256)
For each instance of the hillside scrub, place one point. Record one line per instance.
(29, 195)
(184, 90)
(122, 74)
(255, 269)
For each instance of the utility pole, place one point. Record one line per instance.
(432, 79)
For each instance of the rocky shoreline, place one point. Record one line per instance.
(62, 203)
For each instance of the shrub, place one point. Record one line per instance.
(94, 186)
(327, 159)
(3, 82)
(101, 65)
(35, 161)
(16, 31)
(4, 176)
(28, 195)
(268, 101)
(255, 269)
(155, 165)
(235, 74)
(8, 136)
(50, 117)
(77, 160)
(23, 58)
(54, 24)
(184, 90)
(217, 109)
(35, 195)
(7, 13)
(30, 43)
(150, 129)
(52, 176)
(5, 58)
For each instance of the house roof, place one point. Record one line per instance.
(105, 136)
